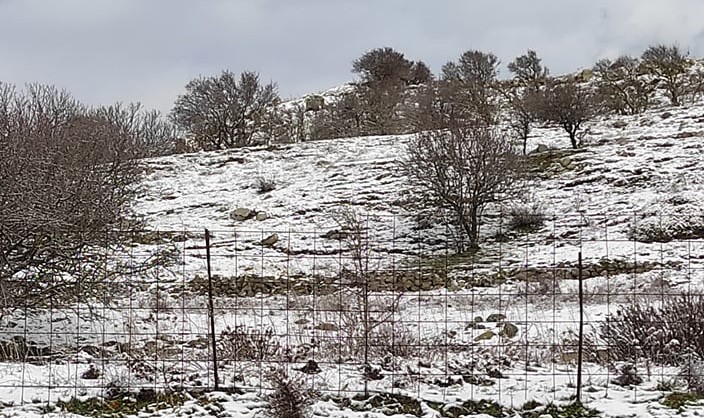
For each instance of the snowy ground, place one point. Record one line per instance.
(635, 176)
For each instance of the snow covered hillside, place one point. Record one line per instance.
(496, 326)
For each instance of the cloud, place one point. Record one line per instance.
(136, 50)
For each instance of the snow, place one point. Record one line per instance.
(626, 182)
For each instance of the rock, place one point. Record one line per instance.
(666, 115)
(565, 161)
(270, 240)
(486, 335)
(497, 317)
(242, 214)
(311, 367)
(620, 124)
(541, 148)
(314, 102)
(508, 330)
(262, 216)
(335, 234)
(91, 374)
(326, 326)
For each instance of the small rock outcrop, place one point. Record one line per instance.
(242, 214)
(270, 240)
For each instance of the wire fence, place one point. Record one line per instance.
(530, 315)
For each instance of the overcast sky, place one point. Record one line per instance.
(146, 50)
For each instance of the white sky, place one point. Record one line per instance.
(147, 50)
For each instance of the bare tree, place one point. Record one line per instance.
(470, 86)
(223, 111)
(669, 65)
(567, 104)
(521, 105)
(620, 86)
(284, 124)
(343, 118)
(461, 169)
(363, 305)
(528, 70)
(152, 134)
(67, 178)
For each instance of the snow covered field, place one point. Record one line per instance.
(635, 178)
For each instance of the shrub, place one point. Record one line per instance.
(660, 333)
(240, 343)
(628, 376)
(289, 398)
(265, 183)
(526, 216)
(692, 372)
(675, 218)
(67, 176)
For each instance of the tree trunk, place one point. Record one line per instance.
(573, 137)
(471, 226)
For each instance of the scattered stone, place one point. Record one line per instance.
(326, 326)
(242, 214)
(335, 234)
(497, 317)
(541, 148)
(508, 330)
(92, 373)
(310, 368)
(566, 162)
(372, 372)
(270, 240)
(486, 335)
(262, 216)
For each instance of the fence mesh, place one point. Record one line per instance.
(378, 308)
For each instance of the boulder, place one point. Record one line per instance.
(508, 330)
(497, 317)
(566, 162)
(242, 214)
(262, 216)
(270, 240)
(314, 103)
(486, 335)
(541, 148)
(335, 234)
(619, 124)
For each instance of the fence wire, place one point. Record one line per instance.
(380, 308)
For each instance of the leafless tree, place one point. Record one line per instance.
(223, 111)
(67, 177)
(669, 65)
(620, 86)
(340, 119)
(153, 134)
(521, 103)
(529, 71)
(567, 104)
(363, 304)
(469, 85)
(460, 170)
(284, 124)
